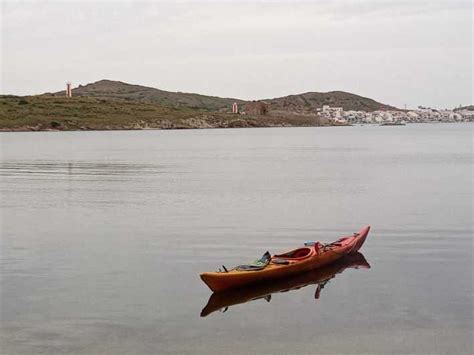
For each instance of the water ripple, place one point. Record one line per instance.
(78, 168)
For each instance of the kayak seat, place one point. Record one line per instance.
(297, 254)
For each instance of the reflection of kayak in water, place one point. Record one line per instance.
(264, 290)
(283, 265)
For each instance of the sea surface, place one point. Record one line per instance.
(104, 235)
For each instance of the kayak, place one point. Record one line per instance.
(321, 276)
(290, 263)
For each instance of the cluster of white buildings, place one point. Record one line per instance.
(421, 114)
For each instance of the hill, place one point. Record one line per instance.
(302, 103)
(119, 90)
(468, 108)
(108, 104)
(311, 101)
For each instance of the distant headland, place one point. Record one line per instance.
(114, 105)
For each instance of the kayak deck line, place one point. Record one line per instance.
(292, 262)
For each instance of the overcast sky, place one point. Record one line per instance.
(413, 52)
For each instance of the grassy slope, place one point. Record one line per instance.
(78, 112)
(119, 90)
(50, 112)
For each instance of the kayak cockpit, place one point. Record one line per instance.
(297, 254)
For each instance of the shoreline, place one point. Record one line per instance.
(15, 130)
(112, 129)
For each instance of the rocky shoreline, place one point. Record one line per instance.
(192, 123)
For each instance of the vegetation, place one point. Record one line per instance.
(49, 112)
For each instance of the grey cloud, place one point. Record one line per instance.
(394, 51)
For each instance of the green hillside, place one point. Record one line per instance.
(119, 90)
(37, 113)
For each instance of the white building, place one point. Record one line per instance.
(335, 113)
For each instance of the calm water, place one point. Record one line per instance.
(104, 234)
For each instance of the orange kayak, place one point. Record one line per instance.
(265, 290)
(290, 263)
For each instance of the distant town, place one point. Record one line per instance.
(420, 115)
(339, 116)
